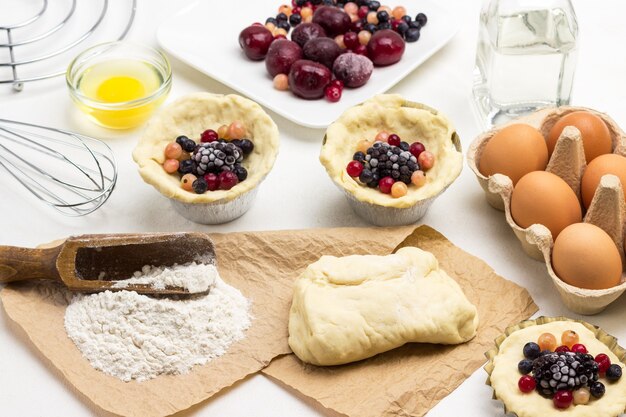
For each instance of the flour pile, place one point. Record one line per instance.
(138, 337)
(193, 277)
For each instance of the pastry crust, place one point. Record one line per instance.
(191, 115)
(504, 376)
(412, 122)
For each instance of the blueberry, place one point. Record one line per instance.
(295, 19)
(200, 186)
(271, 20)
(300, 3)
(384, 25)
(614, 373)
(525, 366)
(411, 35)
(241, 172)
(404, 146)
(421, 19)
(408, 19)
(415, 25)
(370, 27)
(181, 139)
(597, 389)
(328, 2)
(366, 176)
(359, 156)
(185, 167)
(246, 146)
(281, 17)
(383, 16)
(531, 350)
(188, 145)
(402, 27)
(316, 2)
(373, 5)
(283, 24)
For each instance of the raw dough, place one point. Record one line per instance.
(505, 376)
(410, 121)
(351, 308)
(193, 114)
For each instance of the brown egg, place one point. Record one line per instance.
(604, 164)
(585, 256)
(544, 198)
(595, 133)
(514, 151)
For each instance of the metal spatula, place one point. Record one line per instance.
(81, 262)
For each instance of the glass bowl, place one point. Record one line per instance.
(119, 84)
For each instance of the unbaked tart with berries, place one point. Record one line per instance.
(558, 367)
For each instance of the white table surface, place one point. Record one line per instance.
(298, 194)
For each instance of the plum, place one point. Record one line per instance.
(385, 47)
(255, 40)
(307, 79)
(307, 31)
(322, 50)
(281, 55)
(333, 19)
(353, 69)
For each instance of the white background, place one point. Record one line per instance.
(298, 194)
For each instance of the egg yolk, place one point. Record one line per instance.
(119, 89)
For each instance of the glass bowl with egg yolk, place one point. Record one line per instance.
(118, 85)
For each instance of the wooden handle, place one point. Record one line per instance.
(18, 264)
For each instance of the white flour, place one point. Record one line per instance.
(194, 277)
(132, 336)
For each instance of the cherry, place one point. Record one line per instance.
(416, 148)
(526, 383)
(227, 179)
(386, 47)
(208, 135)
(603, 362)
(354, 168)
(332, 93)
(212, 181)
(361, 50)
(563, 399)
(562, 349)
(255, 41)
(579, 348)
(385, 184)
(308, 79)
(394, 140)
(351, 40)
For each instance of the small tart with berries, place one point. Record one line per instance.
(558, 366)
(382, 121)
(193, 116)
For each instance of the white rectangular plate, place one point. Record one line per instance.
(205, 35)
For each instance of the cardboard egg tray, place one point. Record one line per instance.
(607, 209)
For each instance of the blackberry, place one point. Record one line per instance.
(384, 160)
(564, 371)
(215, 157)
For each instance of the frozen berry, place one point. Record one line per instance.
(385, 185)
(421, 19)
(351, 40)
(351, 8)
(339, 41)
(394, 140)
(354, 168)
(281, 82)
(364, 37)
(427, 161)
(563, 399)
(173, 150)
(337, 83)
(372, 18)
(383, 16)
(208, 135)
(236, 130)
(189, 145)
(547, 341)
(212, 181)
(200, 186)
(579, 348)
(398, 12)
(332, 93)
(382, 136)
(241, 172)
(525, 366)
(363, 146)
(361, 50)
(247, 146)
(603, 362)
(597, 389)
(531, 350)
(308, 79)
(581, 396)
(569, 338)
(402, 27)
(228, 180)
(187, 182)
(614, 373)
(181, 139)
(306, 31)
(526, 383)
(255, 41)
(363, 11)
(399, 189)
(171, 165)
(418, 178)
(411, 34)
(386, 47)
(416, 148)
(222, 132)
(295, 19)
(185, 167)
(562, 349)
(353, 69)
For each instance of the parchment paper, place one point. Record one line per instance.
(262, 265)
(410, 380)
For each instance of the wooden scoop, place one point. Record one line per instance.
(92, 263)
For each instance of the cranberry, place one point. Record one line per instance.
(228, 180)
(296, 10)
(416, 149)
(385, 47)
(354, 168)
(332, 93)
(351, 40)
(307, 79)
(255, 41)
(603, 362)
(212, 181)
(361, 50)
(526, 383)
(395, 23)
(563, 399)
(208, 135)
(562, 349)
(363, 11)
(394, 140)
(337, 83)
(579, 348)
(385, 185)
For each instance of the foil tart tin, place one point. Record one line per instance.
(217, 212)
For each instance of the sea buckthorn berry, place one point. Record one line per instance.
(372, 17)
(546, 341)
(208, 136)
(340, 42)
(354, 168)
(279, 32)
(385, 184)
(351, 8)
(398, 12)
(173, 150)
(563, 399)
(171, 165)
(270, 26)
(418, 178)
(603, 362)
(399, 189)
(426, 160)
(562, 349)
(384, 8)
(306, 12)
(581, 396)
(222, 132)
(236, 130)
(394, 140)
(354, 17)
(187, 182)
(363, 146)
(280, 37)
(526, 384)
(364, 37)
(579, 348)
(285, 9)
(416, 148)
(382, 136)
(569, 338)
(281, 82)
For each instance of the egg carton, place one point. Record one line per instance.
(607, 209)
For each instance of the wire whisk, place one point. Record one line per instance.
(73, 173)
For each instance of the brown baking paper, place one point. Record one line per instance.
(262, 265)
(410, 380)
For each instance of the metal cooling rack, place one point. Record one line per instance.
(15, 62)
